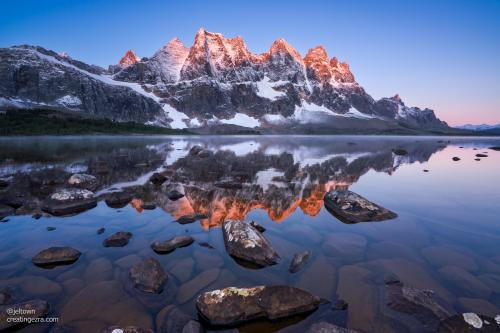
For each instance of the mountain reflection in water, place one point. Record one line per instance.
(445, 237)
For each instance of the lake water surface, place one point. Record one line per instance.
(446, 237)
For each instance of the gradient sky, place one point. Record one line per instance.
(441, 54)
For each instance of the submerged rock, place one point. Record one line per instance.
(174, 195)
(148, 276)
(232, 306)
(125, 329)
(246, 243)
(69, 201)
(118, 199)
(118, 239)
(417, 302)
(324, 327)
(83, 180)
(469, 322)
(350, 207)
(30, 309)
(172, 320)
(299, 259)
(171, 244)
(157, 178)
(56, 255)
(100, 231)
(456, 158)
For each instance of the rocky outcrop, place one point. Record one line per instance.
(245, 243)
(232, 306)
(350, 207)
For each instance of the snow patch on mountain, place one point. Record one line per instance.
(69, 101)
(356, 114)
(242, 119)
(265, 89)
(178, 118)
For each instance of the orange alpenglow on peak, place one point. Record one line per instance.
(129, 59)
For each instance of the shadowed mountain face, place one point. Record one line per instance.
(223, 179)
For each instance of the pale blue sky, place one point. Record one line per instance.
(441, 54)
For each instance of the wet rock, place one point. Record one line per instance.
(195, 150)
(157, 178)
(189, 289)
(246, 243)
(400, 152)
(340, 304)
(6, 211)
(69, 201)
(469, 322)
(118, 199)
(172, 320)
(299, 259)
(174, 195)
(82, 180)
(171, 244)
(125, 329)
(456, 158)
(148, 276)
(148, 206)
(186, 219)
(232, 306)
(481, 155)
(206, 244)
(31, 309)
(57, 255)
(350, 207)
(324, 327)
(100, 231)
(37, 216)
(417, 302)
(257, 226)
(51, 228)
(118, 239)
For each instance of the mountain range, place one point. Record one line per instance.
(216, 83)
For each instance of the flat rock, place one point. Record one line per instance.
(246, 243)
(324, 327)
(171, 244)
(69, 201)
(148, 276)
(6, 211)
(82, 180)
(299, 259)
(118, 239)
(56, 255)
(172, 320)
(189, 289)
(232, 306)
(350, 207)
(32, 309)
(174, 195)
(417, 302)
(118, 199)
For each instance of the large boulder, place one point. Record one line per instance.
(246, 243)
(232, 306)
(56, 255)
(148, 276)
(69, 201)
(350, 207)
(30, 309)
(171, 244)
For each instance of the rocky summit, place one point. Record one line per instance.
(216, 83)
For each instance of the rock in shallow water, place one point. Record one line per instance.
(118, 199)
(148, 276)
(232, 306)
(246, 243)
(57, 255)
(69, 201)
(31, 309)
(172, 320)
(118, 239)
(469, 323)
(171, 244)
(350, 207)
(299, 259)
(83, 180)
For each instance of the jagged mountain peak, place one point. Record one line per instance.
(281, 46)
(129, 59)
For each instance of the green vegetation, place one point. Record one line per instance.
(53, 122)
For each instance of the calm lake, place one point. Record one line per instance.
(446, 237)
